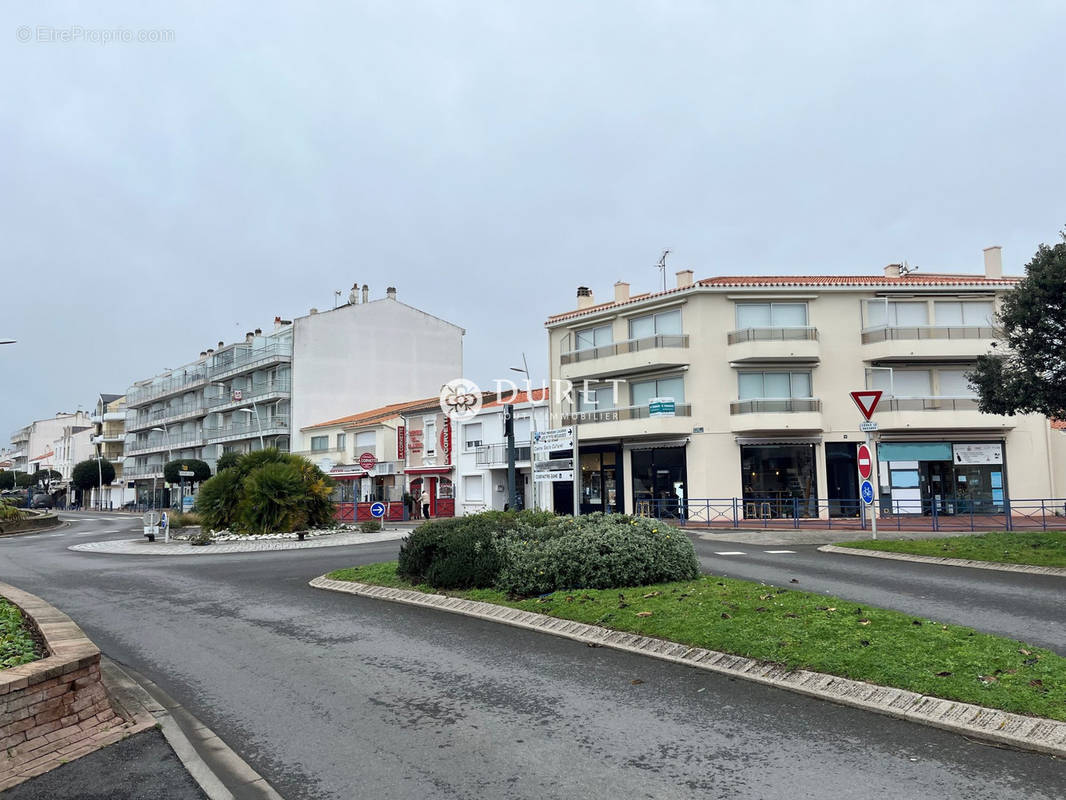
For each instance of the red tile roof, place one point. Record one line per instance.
(373, 416)
(518, 398)
(799, 281)
(1058, 424)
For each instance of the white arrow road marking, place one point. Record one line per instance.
(731, 553)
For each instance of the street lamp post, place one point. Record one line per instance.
(524, 369)
(259, 425)
(170, 457)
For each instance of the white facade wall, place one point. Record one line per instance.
(368, 355)
(481, 459)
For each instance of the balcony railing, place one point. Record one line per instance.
(627, 346)
(928, 404)
(164, 416)
(253, 393)
(271, 426)
(178, 383)
(619, 414)
(248, 358)
(790, 405)
(143, 471)
(491, 454)
(909, 332)
(772, 335)
(163, 445)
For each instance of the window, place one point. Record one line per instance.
(474, 488)
(429, 436)
(640, 394)
(341, 441)
(774, 385)
(595, 398)
(975, 314)
(319, 443)
(662, 324)
(896, 314)
(771, 315)
(594, 337)
(912, 383)
(953, 383)
(472, 435)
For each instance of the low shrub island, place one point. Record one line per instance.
(370, 526)
(18, 645)
(528, 552)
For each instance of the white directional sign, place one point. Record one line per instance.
(553, 469)
(545, 442)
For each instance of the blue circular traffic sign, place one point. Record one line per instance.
(377, 510)
(867, 492)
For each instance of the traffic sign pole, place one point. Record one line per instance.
(873, 481)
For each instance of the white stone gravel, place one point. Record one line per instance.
(1015, 730)
(141, 547)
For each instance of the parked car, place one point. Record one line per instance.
(42, 500)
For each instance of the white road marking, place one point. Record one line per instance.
(779, 551)
(731, 553)
(121, 532)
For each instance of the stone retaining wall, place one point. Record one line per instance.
(56, 708)
(37, 521)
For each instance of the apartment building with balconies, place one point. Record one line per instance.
(31, 442)
(233, 398)
(756, 373)
(109, 442)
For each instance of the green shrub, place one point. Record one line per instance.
(218, 500)
(17, 643)
(201, 538)
(370, 526)
(597, 551)
(184, 520)
(9, 512)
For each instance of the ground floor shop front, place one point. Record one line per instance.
(941, 474)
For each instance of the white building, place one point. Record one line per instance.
(73, 445)
(31, 442)
(368, 354)
(481, 454)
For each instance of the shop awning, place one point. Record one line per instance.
(427, 470)
(764, 440)
(348, 471)
(659, 443)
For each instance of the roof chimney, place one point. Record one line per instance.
(893, 270)
(684, 278)
(994, 262)
(258, 331)
(221, 344)
(249, 336)
(210, 350)
(203, 353)
(353, 295)
(277, 323)
(621, 292)
(366, 292)
(391, 293)
(314, 311)
(584, 297)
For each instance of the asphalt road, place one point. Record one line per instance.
(333, 696)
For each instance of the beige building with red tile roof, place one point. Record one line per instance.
(738, 387)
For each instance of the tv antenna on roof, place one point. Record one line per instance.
(662, 266)
(907, 269)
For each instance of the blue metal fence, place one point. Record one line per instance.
(916, 515)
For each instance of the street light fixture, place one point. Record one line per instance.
(255, 410)
(170, 457)
(7, 341)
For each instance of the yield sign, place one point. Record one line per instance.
(866, 463)
(866, 401)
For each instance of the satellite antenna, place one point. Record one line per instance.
(662, 266)
(907, 269)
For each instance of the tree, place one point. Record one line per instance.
(86, 474)
(227, 460)
(24, 480)
(200, 469)
(7, 479)
(1027, 374)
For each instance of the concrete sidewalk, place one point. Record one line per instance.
(141, 547)
(814, 537)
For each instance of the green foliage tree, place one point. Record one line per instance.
(266, 491)
(1027, 374)
(86, 474)
(227, 460)
(7, 479)
(25, 480)
(200, 469)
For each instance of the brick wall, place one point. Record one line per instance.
(54, 709)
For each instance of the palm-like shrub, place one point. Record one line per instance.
(266, 491)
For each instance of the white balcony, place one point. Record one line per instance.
(936, 413)
(629, 356)
(926, 342)
(789, 414)
(773, 344)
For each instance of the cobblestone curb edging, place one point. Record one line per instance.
(55, 709)
(1026, 733)
(135, 547)
(945, 562)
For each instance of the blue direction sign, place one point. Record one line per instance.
(867, 492)
(377, 510)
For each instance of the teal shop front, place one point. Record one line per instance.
(945, 478)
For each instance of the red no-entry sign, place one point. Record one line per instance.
(865, 461)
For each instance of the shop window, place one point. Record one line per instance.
(641, 393)
(594, 337)
(319, 443)
(779, 481)
(661, 324)
(771, 315)
(773, 385)
(896, 314)
(659, 481)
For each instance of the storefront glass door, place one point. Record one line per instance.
(659, 478)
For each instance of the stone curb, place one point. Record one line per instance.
(1002, 727)
(945, 562)
(135, 547)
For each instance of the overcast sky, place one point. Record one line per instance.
(487, 158)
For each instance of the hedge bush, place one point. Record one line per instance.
(529, 553)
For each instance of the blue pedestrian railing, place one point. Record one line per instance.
(956, 514)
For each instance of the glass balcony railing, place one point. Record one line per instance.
(928, 404)
(939, 332)
(488, 455)
(791, 405)
(619, 414)
(270, 426)
(627, 346)
(772, 335)
(256, 392)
